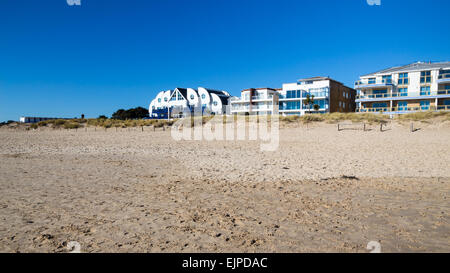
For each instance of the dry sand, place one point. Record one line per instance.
(133, 191)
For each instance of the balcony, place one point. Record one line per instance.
(443, 92)
(366, 83)
(404, 94)
(403, 109)
(269, 97)
(444, 78)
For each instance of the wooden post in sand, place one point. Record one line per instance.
(142, 128)
(338, 128)
(364, 128)
(381, 127)
(164, 128)
(412, 127)
(154, 128)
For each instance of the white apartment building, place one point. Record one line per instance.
(328, 95)
(415, 87)
(174, 103)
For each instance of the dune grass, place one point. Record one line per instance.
(308, 118)
(424, 116)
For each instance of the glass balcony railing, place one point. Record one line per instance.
(373, 82)
(403, 108)
(444, 76)
(443, 92)
(403, 94)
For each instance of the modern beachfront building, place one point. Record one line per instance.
(328, 95)
(175, 103)
(415, 87)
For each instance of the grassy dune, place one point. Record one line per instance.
(310, 118)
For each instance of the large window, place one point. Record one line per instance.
(293, 94)
(425, 105)
(425, 77)
(403, 79)
(379, 105)
(425, 91)
(403, 92)
(380, 93)
(402, 105)
(372, 80)
(445, 91)
(387, 79)
(318, 92)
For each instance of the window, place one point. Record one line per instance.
(203, 96)
(387, 79)
(380, 93)
(425, 91)
(159, 100)
(445, 91)
(372, 80)
(165, 99)
(293, 94)
(215, 103)
(343, 105)
(403, 92)
(425, 77)
(402, 105)
(379, 105)
(425, 105)
(403, 79)
(192, 96)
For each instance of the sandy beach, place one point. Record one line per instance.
(133, 191)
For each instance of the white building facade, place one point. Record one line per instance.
(175, 103)
(398, 90)
(328, 95)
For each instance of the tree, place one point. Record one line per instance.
(102, 117)
(133, 113)
(309, 101)
(316, 107)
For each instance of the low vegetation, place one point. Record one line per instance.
(309, 118)
(424, 116)
(336, 117)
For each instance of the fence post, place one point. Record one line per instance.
(142, 128)
(338, 128)
(412, 127)
(381, 127)
(364, 129)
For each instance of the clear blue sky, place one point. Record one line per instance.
(60, 61)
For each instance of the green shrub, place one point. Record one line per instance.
(71, 125)
(311, 118)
